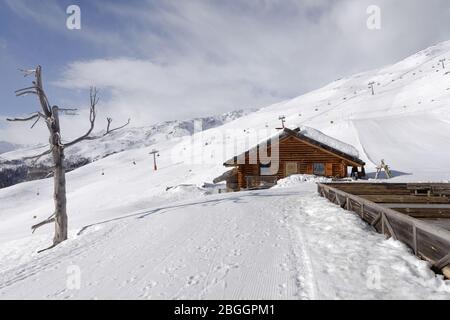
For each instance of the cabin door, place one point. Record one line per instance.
(291, 168)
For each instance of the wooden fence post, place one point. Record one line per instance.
(362, 211)
(416, 251)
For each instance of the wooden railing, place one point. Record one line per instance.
(427, 241)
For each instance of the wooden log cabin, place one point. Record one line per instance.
(297, 154)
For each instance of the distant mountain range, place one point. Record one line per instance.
(14, 170)
(6, 147)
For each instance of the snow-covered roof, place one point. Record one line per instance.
(226, 175)
(315, 137)
(329, 141)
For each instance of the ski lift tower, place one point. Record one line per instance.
(443, 63)
(283, 120)
(371, 86)
(155, 153)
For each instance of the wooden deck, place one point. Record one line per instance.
(416, 214)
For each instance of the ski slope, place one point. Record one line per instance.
(426, 149)
(169, 236)
(286, 243)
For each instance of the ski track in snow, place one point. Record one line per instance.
(285, 243)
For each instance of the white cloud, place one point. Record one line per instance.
(202, 57)
(153, 92)
(187, 58)
(52, 15)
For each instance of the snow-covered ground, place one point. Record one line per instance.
(286, 243)
(166, 237)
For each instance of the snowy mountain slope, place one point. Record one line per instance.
(11, 163)
(407, 126)
(412, 89)
(379, 126)
(286, 243)
(427, 148)
(6, 147)
(130, 138)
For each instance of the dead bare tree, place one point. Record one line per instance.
(50, 114)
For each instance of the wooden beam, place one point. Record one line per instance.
(425, 213)
(442, 263)
(388, 225)
(377, 219)
(363, 188)
(362, 211)
(415, 245)
(405, 199)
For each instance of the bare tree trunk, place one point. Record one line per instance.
(60, 180)
(51, 117)
(60, 197)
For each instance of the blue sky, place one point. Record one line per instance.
(34, 32)
(161, 60)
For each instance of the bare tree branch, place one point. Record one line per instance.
(43, 223)
(51, 247)
(108, 130)
(27, 88)
(37, 120)
(37, 116)
(49, 175)
(37, 157)
(34, 116)
(37, 89)
(108, 120)
(26, 73)
(25, 91)
(92, 115)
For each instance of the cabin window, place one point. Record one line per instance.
(265, 169)
(319, 169)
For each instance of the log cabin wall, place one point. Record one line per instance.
(246, 170)
(305, 155)
(232, 180)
